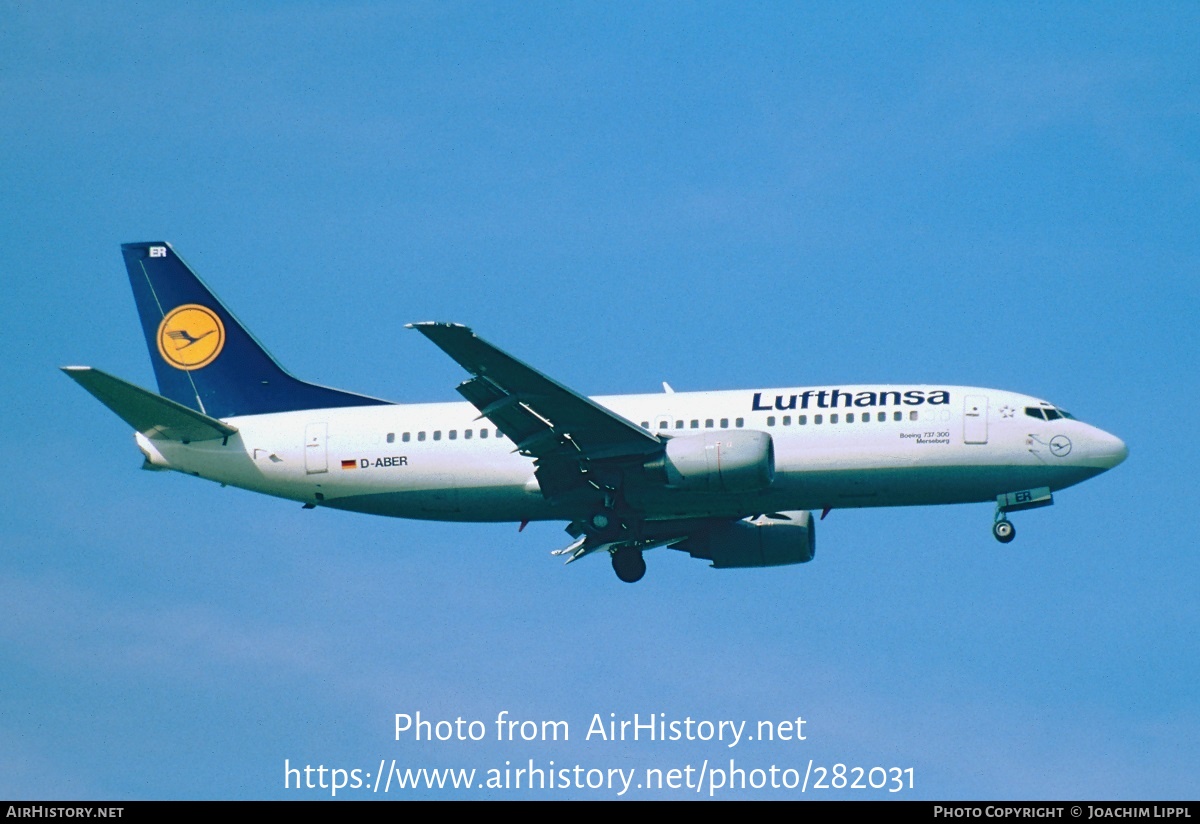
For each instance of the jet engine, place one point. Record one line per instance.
(737, 461)
(764, 541)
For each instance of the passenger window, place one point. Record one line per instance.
(454, 434)
(483, 433)
(498, 435)
(816, 418)
(467, 433)
(406, 437)
(708, 423)
(912, 416)
(645, 424)
(695, 424)
(787, 420)
(724, 423)
(662, 424)
(679, 424)
(437, 434)
(420, 436)
(897, 416)
(770, 420)
(881, 417)
(391, 438)
(802, 420)
(849, 417)
(739, 423)
(833, 418)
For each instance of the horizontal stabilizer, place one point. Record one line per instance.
(152, 415)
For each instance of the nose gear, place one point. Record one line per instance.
(1002, 528)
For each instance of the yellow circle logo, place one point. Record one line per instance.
(190, 337)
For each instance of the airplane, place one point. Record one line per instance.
(731, 477)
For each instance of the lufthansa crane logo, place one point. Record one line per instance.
(190, 337)
(1060, 446)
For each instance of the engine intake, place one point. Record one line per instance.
(738, 461)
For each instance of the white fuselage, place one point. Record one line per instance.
(837, 447)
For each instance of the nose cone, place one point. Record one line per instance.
(1104, 450)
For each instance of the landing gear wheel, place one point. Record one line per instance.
(629, 565)
(1004, 531)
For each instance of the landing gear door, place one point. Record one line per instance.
(975, 419)
(316, 458)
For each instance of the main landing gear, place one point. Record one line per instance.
(629, 564)
(627, 561)
(617, 530)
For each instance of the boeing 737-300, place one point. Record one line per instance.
(731, 477)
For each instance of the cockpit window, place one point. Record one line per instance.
(1048, 413)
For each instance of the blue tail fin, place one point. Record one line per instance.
(203, 357)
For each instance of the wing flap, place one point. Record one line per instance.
(517, 421)
(589, 425)
(566, 433)
(152, 415)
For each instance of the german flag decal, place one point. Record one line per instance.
(349, 464)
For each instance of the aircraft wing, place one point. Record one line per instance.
(570, 436)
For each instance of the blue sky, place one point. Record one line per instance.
(713, 195)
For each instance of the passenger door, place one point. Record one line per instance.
(316, 457)
(975, 415)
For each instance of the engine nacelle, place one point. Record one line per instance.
(761, 542)
(737, 461)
